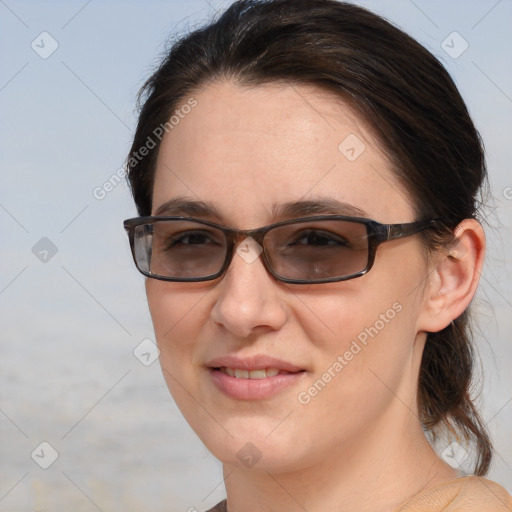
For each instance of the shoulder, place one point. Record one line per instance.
(220, 507)
(466, 494)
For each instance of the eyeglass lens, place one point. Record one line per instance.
(306, 250)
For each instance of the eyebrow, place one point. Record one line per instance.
(181, 206)
(320, 206)
(188, 208)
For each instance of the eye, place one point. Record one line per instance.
(318, 238)
(193, 238)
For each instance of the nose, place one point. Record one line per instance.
(249, 298)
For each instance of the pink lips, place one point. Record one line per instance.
(252, 388)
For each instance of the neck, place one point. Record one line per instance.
(390, 462)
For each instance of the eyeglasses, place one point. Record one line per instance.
(321, 249)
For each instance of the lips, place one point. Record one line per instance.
(253, 378)
(253, 363)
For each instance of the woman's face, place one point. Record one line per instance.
(348, 352)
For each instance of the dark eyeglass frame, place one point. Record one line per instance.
(377, 234)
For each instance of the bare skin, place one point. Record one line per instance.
(357, 444)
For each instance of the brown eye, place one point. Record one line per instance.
(318, 238)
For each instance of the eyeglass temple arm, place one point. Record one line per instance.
(393, 231)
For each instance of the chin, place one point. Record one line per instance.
(251, 446)
(256, 456)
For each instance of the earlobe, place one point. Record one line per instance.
(454, 277)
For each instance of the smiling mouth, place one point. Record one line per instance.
(263, 373)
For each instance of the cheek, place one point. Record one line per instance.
(174, 306)
(360, 367)
(177, 318)
(357, 331)
(363, 342)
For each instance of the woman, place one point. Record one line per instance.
(307, 178)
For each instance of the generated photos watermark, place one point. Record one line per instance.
(101, 191)
(357, 345)
(159, 131)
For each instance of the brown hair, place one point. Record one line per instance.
(405, 95)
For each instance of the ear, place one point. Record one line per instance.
(453, 277)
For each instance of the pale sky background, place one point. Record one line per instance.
(70, 324)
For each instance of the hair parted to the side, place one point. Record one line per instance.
(406, 97)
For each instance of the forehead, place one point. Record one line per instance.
(249, 149)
